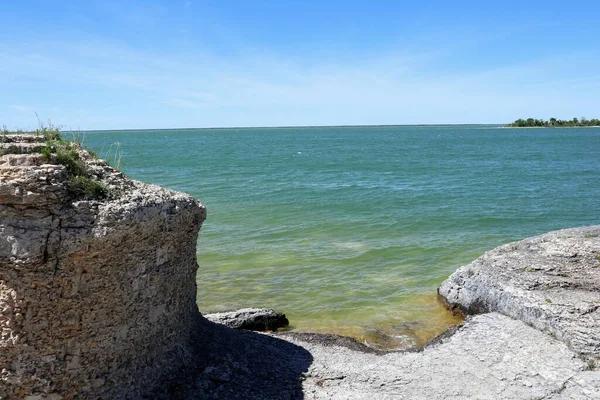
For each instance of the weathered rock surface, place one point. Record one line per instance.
(252, 319)
(97, 298)
(490, 356)
(551, 282)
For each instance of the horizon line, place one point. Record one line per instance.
(284, 127)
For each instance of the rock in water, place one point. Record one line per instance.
(252, 319)
(551, 282)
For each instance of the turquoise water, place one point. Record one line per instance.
(351, 229)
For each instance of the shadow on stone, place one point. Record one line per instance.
(238, 364)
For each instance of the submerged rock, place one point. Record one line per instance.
(551, 282)
(252, 319)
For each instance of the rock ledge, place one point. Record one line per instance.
(551, 282)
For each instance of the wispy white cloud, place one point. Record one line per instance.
(100, 84)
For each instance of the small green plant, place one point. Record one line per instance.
(591, 364)
(93, 153)
(470, 272)
(114, 155)
(69, 157)
(548, 300)
(52, 134)
(590, 235)
(49, 131)
(86, 188)
(56, 150)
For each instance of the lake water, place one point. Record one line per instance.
(350, 230)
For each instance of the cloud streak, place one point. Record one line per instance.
(144, 89)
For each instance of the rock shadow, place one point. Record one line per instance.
(238, 364)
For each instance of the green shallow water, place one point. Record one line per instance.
(351, 229)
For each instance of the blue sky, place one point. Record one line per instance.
(194, 63)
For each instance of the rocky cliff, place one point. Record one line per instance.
(97, 275)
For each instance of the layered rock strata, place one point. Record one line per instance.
(551, 282)
(97, 297)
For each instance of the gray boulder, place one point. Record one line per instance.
(551, 282)
(252, 319)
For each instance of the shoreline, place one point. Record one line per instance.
(491, 354)
(100, 301)
(390, 335)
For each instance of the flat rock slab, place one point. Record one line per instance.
(252, 319)
(551, 282)
(491, 356)
(585, 385)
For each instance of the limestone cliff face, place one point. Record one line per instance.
(97, 297)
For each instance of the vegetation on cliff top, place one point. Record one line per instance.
(56, 150)
(553, 122)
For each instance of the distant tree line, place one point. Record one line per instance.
(554, 122)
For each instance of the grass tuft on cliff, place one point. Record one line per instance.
(86, 188)
(66, 153)
(56, 150)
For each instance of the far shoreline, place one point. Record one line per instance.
(548, 127)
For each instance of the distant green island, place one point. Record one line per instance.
(553, 122)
